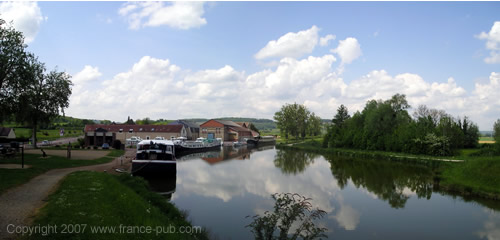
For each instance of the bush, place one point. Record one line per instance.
(117, 144)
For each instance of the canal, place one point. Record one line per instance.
(364, 199)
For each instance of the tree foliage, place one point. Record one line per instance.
(27, 91)
(288, 209)
(296, 120)
(387, 126)
(12, 60)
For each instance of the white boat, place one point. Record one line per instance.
(182, 146)
(154, 157)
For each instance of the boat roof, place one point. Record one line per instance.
(165, 142)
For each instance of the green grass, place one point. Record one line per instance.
(13, 177)
(49, 135)
(103, 200)
(474, 176)
(486, 139)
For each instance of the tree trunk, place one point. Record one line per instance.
(34, 136)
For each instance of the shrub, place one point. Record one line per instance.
(117, 144)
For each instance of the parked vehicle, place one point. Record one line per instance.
(105, 146)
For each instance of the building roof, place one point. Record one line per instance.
(135, 128)
(244, 124)
(4, 131)
(232, 125)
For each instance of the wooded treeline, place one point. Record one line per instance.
(387, 126)
(297, 121)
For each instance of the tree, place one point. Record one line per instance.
(129, 120)
(289, 209)
(12, 60)
(44, 96)
(314, 125)
(341, 116)
(496, 133)
(253, 128)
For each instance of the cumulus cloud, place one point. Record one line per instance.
(26, 17)
(157, 88)
(492, 43)
(326, 39)
(348, 50)
(292, 45)
(180, 15)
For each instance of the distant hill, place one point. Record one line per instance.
(260, 123)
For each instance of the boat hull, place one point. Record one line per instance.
(156, 168)
(182, 150)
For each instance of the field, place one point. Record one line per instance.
(486, 140)
(49, 135)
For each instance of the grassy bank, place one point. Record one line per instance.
(50, 134)
(97, 204)
(474, 176)
(13, 177)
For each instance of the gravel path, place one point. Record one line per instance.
(19, 205)
(75, 154)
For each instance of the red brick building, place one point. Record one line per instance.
(227, 130)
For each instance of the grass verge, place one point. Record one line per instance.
(103, 206)
(475, 176)
(14, 177)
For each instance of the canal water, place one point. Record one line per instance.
(363, 199)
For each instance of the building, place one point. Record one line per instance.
(192, 129)
(97, 134)
(7, 133)
(227, 130)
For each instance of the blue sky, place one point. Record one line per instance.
(214, 59)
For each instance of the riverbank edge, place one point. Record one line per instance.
(139, 189)
(438, 166)
(38, 169)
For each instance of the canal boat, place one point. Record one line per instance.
(201, 144)
(261, 140)
(154, 158)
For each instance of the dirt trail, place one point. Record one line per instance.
(19, 205)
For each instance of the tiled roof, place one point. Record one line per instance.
(135, 128)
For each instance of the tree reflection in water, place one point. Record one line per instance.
(292, 161)
(389, 181)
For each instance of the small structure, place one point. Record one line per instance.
(7, 133)
(98, 134)
(227, 130)
(192, 129)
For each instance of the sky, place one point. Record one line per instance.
(176, 60)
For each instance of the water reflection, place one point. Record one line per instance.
(164, 185)
(363, 199)
(392, 182)
(292, 161)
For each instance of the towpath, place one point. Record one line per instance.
(19, 205)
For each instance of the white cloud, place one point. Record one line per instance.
(326, 39)
(492, 43)
(348, 50)
(292, 45)
(88, 74)
(157, 88)
(180, 15)
(26, 17)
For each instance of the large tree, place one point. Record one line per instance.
(44, 96)
(12, 60)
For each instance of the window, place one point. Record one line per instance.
(204, 130)
(147, 137)
(130, 130)
(121, 130)
(140, 129)
(152, 129)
